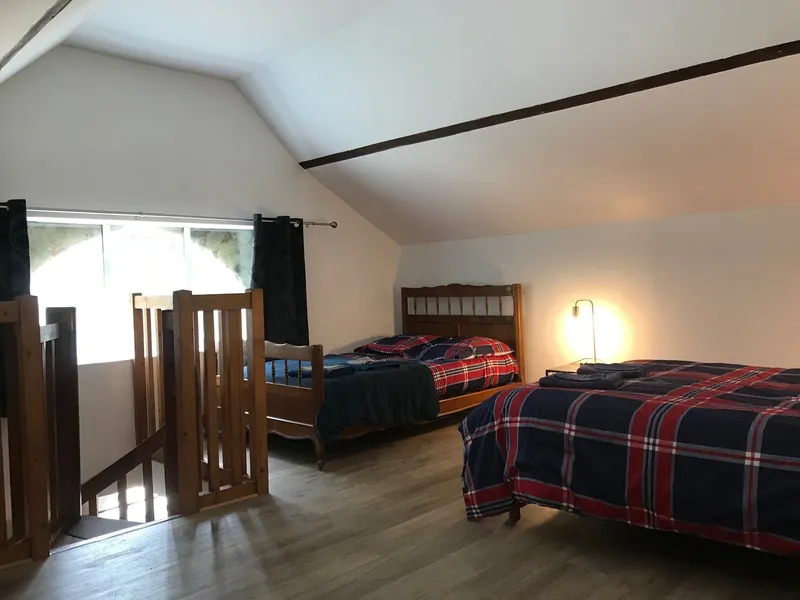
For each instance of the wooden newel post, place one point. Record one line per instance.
(257, 377)
(171, 473)
(139, 376)
(34, 419)
(185, 430)
(67, 416)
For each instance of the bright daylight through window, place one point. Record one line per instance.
(95, 264)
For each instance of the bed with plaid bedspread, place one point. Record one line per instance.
(451, 377)
(391, 391)
(709, 449)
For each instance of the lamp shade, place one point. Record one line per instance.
(576, 311)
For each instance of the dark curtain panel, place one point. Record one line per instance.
(15, 267)
(279, 269)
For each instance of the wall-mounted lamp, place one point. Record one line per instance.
(575, 312)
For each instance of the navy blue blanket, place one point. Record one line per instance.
(583, 381)
(386, 393)
(627, 370)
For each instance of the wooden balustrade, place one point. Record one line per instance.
(148, 383)
(117, 473)
(193, 409)
(24, 518)
(196, 360)
(210, 369)
(60, 350)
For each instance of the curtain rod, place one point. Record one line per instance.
(332, 224)
(141, 215)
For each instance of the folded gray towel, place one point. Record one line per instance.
(594, 381)
(627, 370)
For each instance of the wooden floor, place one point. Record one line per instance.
(386, 520)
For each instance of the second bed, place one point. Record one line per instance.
(311, 396)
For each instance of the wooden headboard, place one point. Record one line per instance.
(493, 311)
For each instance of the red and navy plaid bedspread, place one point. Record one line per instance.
(702, 448)
(455, 377)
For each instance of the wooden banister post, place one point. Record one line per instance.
(516, 293)
(67, 416)
(186, 422)
(16, 433)
(256, 376)
(168, 368)
(35, 426)
(139, 376)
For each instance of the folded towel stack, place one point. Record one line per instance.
(627, 370)
(578, 381)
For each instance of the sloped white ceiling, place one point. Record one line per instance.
(221, 37)
(18, 16)
(337, 74)
(712, 144)
(330, 76)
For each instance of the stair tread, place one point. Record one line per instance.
(91, 527)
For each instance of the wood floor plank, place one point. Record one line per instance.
(386, 520)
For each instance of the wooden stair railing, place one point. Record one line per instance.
(59, 347)
(141, 456)
(208, 400)
(189, 375)
(149, 314)
(24, 511)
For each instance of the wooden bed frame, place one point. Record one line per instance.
(446, 310)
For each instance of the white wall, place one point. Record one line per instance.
(86, 131)
(717, 287)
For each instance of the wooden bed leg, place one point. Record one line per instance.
(319, 446)
(514, 514)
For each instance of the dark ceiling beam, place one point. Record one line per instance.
(40, 24)
(615, 91)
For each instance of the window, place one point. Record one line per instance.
(95, 264)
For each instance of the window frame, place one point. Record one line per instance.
(186, 224)
(188, 248)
